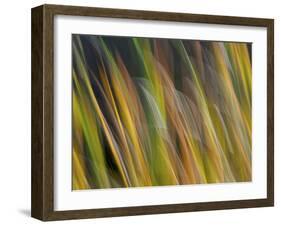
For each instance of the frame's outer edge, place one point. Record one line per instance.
(156, 15)
(42, 203)
(270, 112)
(42, 113)
(48, 120)
(37, 185)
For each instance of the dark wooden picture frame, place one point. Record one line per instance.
(42, 203)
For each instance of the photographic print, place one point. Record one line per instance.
(154, 112)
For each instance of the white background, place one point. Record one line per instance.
(15, 112)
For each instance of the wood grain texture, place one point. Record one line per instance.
(270, 111)
(37, 184)
(42, 113)
(43, 123)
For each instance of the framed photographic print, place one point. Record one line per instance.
(141, 112)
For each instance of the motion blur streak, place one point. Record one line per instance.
(152, 112)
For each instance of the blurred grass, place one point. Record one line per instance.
(152, 112)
